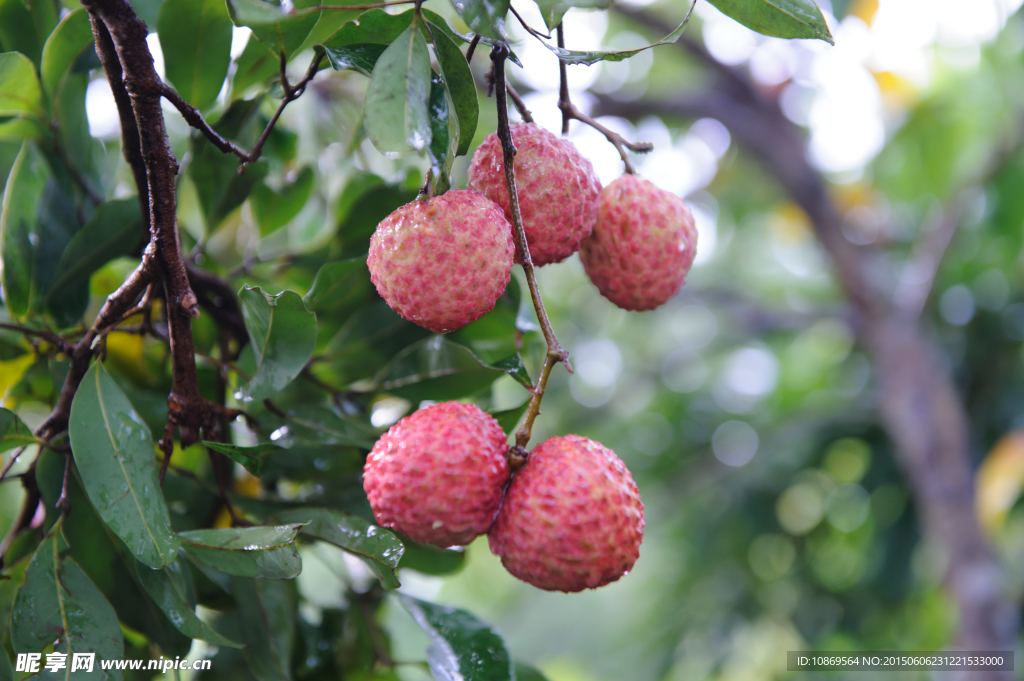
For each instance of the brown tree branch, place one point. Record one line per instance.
(555, 352)
(194, 118)
(571, 112)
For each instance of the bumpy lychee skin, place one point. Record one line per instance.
(442, 263)
(556, 185)
(643, 245)
(572, 518)
(438, 475)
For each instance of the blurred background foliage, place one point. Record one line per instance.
(777, 515)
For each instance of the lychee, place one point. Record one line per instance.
(556, 186)
(572, 518)
(443, 262)
(643, 245)
(437, 476)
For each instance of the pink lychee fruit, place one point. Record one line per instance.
(556, 186)
(572, 518)
(443, 262)
(438, 475)
(642, 246)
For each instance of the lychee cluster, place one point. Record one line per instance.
(443, 262)
(570, 519)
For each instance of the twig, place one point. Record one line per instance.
(570, 112)
(11, 461)
(291, 93)
(520, 105)
(555, 352)
(532, 31)
(472, 47)
(48, 336)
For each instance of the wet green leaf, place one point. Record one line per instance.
(19, 218)
(19, 88)
(195, 36)
(324, 426)
(113, 450)
(431, 560)
(339, 285)
(282, 27)
(66, 44)
(461, 646)
(459, 83)
(380, 549)
(115, 229)
(444, 134)
(166, 589)
(438, 369)
(592, 57)
(58, 602)
(359, 57)
(486, 17)
(13, 431)
(395, 110)
(778, 18)
(250, 457)
(267, 552)
(282, 333)
(273, 209)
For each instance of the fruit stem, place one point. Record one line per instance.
(555, 351)
(570, 112)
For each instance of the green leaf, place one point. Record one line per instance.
(250, 457)
(585, 57)
(508, 418)
(58, 605)
(13, 431)
(486, 17)
(339, 285)
(167, 589)
(461, 646)
(374, 26)
(459, 83)
(267, 615)
(18, 28)
(554, 10)
(113, 450)
(66, 44)
(525, 672)
(22, 128)
(282, 333)
(444, 135)
(267, 552)
(18, 226)
(778, 18)
(321, 425)
(380, 550)
(255, 65)
(275, 209)
(19, 88)
(281, 29)
(431, 560)
(359, 57)
(438, 369)
(115, 229)
(196, 39)
(395, 110)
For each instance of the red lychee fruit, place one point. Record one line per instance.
(438, 475)
(643, 245)
(572, 518)
(556, 185)
(442, 263)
